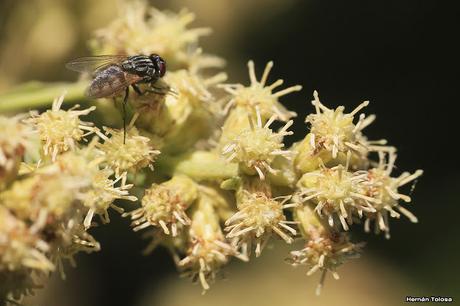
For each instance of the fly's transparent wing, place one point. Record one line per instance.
(91, 64)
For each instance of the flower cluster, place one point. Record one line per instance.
(53, 185)
(224, 185)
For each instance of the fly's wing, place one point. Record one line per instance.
(111, 82)
(91, 64)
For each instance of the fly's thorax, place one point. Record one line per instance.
(140, 65)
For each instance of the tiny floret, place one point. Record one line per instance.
(164, 206)
(19, 247)
(127, 154)
(334, 130)
(336, 194)
(257, 218)
(325, 252)
(255, 148)
(258, 94)
(207, 249)
(61, 130)
(379, 185)
(15, 138)
(141, 29)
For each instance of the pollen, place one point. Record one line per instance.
(127, 154)
(255, 148)
(61, 130)
(257, 218)
(260, 95)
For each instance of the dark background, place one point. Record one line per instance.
(400, 55)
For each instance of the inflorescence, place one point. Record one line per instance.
(224, 185)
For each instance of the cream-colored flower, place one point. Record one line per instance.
(15, 138)
(258, 94)
(61, 130)
(255, 148)
(141, 29)
(207, 249)
(42, 197)
(19, 247)
(380, 186)
(325, 252)
(69, 238)
(97, 190)
(336, 192)
(334, 130)
(102, 193)
(257, 218)
(164, 205)
(193, 87)
(128, 153)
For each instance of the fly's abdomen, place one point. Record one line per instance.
(107, 82)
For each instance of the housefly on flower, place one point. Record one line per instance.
(114, 74)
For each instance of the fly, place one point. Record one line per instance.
(113, 74)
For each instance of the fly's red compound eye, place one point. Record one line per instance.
(162, 66)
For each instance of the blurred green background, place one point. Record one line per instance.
(398, 54)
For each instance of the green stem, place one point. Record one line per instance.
(199, 165)
(36, 94)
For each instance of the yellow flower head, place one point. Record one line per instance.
(336, 192)
(102, 193)
(19, 247)
(325, 252)
(334, 130)
(42, 197)
(255, 148)
(61, 130)
(207, 249)
(257, 94)
(257, 218)
(127, 154)
(164, 206)
(193, 87)
(380, 186)
(15, 139)
(99, 190)
(141, 29)
(68, 239)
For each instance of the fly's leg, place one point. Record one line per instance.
(125, 100)
(153, 89)
(137, 89)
